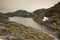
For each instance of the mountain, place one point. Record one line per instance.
(19, 13)
(52, 16)
(39, 12)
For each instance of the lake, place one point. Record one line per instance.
(30, 22)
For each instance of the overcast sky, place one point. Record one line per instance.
(29, 5)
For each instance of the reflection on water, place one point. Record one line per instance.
(29, 22)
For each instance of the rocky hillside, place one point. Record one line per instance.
(19, 13)
(53, 15)
(15, 31)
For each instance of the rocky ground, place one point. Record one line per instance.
(14, 31)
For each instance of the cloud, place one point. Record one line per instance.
(30, 5)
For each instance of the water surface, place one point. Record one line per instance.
(30, 22)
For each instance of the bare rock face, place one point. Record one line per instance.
(14, 31)
(50, 18)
